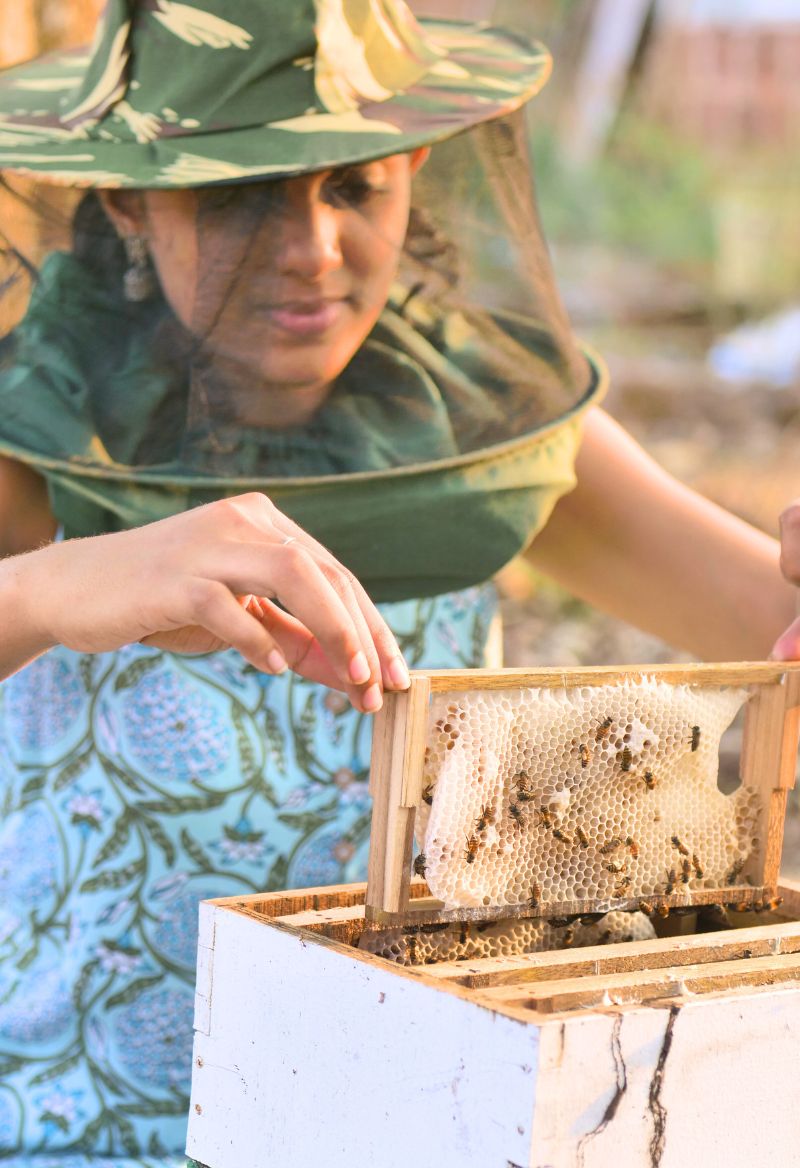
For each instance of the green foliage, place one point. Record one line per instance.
(650, 193)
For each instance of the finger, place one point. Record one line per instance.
(790, 541)
(304, 653)
(787, 646)
(213, 607)
(293, 576)
(383, 654)
(374, 630)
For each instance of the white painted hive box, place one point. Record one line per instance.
(674, 1053)
(664, 1053)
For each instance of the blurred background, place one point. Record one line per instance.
(666, 160)
(668, 177)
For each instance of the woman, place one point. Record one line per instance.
(244, 308)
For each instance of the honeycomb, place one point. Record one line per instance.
(421, 945)
(541, 796)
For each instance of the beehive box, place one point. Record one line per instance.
(310, 1049)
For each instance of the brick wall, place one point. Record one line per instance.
(726, 87)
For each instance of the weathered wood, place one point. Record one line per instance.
(429, 910)
(716, 673)
(642, 986)
(621, 957)
(398, 752)
(768, 765)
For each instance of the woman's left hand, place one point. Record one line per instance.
(787, 646)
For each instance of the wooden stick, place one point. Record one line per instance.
(398, 756)
(620, 957)
(768, 764)
(642, 986)
(716, 673)
(430, 911)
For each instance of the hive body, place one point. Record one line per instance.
(309, 1052)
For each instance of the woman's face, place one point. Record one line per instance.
(283, 280)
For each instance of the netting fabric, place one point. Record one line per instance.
(379, 346)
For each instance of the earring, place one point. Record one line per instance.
(139, 281)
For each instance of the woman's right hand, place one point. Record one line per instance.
(236, 573)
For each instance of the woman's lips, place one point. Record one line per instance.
(305, 319)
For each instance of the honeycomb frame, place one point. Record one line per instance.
(402, 735)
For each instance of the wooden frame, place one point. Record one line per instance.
(767, 764)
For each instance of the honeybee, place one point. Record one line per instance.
(569, 937)
(610, 846)
(694, 741)
(615, 866)
(698, 867)
(411, 947)
(743, 906)
(649, 780)
(562, 836)
(590, 919)
(646, 907)
(734, 871)
(515, 811)
(585, 754)
(471, 850)
(485, 818)
(419, 864)
(524, 791)
(769, 905)
(686, 871)
(582, 837)
(602, 729)
(535, 896)
(676, 843)
(546, 816)
(672, 881)
(622, 885)
(625, 758)
(464, 934)
(632, 847)
(662, 910)
(427, 794)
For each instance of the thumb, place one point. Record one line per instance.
(787, 646)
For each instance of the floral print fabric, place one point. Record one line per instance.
(132, 786)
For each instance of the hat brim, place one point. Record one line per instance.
(483, 73)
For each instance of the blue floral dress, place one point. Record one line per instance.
(132, 786)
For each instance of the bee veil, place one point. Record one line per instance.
(292, 254)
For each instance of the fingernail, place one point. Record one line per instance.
(397, 672)
(359, 669)
(276, 661)
(372, 699)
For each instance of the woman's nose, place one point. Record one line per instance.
(310, 246)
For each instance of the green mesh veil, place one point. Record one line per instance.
(385, 355)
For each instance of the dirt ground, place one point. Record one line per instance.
(738, 446)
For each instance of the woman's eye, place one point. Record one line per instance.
(352, 188)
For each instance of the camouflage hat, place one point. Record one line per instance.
(177, 95)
